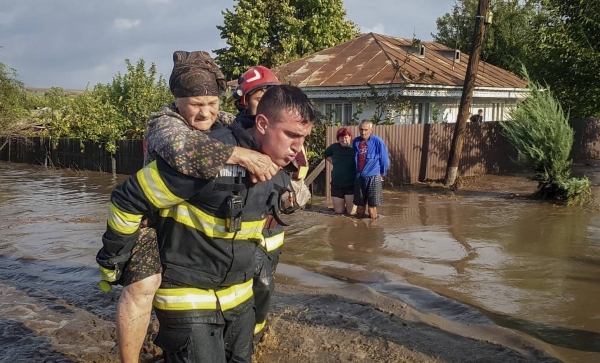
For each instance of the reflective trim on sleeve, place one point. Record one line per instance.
(202, 299)
(302, 172)
(107, 274)
(213, 227)
(259, 327)
(123, 222)
(272, 243)
(154, 187)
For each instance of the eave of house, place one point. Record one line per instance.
(416, 90)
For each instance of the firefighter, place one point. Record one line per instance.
(174, 135)
(250, 89)
(209, 231)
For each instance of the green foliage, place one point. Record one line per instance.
(109, 112)
(87, 116)
(568, 54)
(274, 32)
(540, 131)
(557, 40)
(13, 98)
(577, 190)
(227, 103)
(316, 143)
(135, 95)
(435, 113)
(507, 41)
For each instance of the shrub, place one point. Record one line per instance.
(540, 131)
(108, 112)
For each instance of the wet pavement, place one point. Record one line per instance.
(469, 257)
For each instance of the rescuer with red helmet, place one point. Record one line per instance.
(251, 86)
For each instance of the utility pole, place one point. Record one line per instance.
(467, 94)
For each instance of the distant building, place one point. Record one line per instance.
(347, 81)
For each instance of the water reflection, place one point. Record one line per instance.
(344, 248)
(535, 263)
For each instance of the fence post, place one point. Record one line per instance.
(113, 164)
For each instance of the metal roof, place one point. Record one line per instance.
(370, 58)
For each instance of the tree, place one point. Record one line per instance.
(274, 32)
(135, 95)
(539, 129)
(558, 41)
(508, 40)
(12, 97)
(568, 54)
(109, 112)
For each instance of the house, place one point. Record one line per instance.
(400, 81)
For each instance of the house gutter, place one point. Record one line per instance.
(413, 90)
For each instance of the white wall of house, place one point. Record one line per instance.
(421, 110)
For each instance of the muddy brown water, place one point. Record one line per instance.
(471, 258)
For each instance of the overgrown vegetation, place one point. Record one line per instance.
(13, 99)
(539, 129)
(104, 114)
(316, 143)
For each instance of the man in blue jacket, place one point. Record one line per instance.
(372, 163)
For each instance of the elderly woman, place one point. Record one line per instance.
(341, 156)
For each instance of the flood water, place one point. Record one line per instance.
(471, 258)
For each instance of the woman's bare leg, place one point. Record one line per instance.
(338, 205)
(349, 199)
(133, 316)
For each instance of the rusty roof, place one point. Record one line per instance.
(370, 59)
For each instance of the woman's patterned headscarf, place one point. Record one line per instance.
(195, 74)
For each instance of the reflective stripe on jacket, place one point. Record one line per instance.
(180, 299)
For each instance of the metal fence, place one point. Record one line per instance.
(417, 152)
(586, 143)
(420, 152)
(74, 154)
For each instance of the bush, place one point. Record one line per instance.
(13, 98)
(109, 112)
(540, 131)
(316, 143)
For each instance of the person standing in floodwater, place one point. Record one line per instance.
(341, 156)
(372, 163)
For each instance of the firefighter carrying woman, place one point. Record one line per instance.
(194, 230)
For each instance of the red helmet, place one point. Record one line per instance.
(253, 79)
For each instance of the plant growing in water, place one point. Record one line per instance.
(539, 129)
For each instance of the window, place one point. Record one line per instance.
(497, 112)
(424, 113)
(339, 112)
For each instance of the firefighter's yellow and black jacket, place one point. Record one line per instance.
(206, 269)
